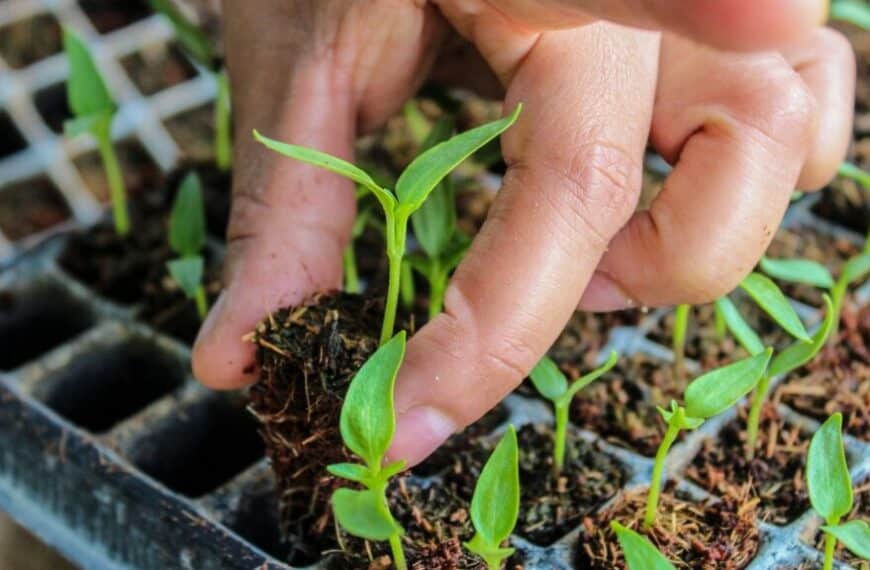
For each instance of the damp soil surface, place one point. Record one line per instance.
(774, 476)
(697, 535)
(166, 308)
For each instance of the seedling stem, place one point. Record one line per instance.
(681, 323)
(117, 190)
(223, 123)
(351, 277)
(652, 500)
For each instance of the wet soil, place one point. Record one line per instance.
(25, 42)
(157, 67)
(166, 308)
(30, 207)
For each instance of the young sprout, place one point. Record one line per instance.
(855, 11)
(640, 553)
(200, 49)
(412, 189)
(93, 110)
(552, 384)
(707, 396)
(830, 489)
(187, 238)
(792, 357)
(348, 258)
(367, 424)
(681, 325)
(495, 504)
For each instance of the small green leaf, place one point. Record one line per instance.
(368, 420)
(187, 272)
(803, 271)
(856, 268)
(855, 535)
(685, 423)
(428, 169)
(192, 39)
(828, 483)
(456, 250)
(349, 471)
(86, 91)
(495, 504)
(774, 303)
(640, 553)
(363, 514)
(187, 220)
(393, 469)
(717, 390)
(548, 379)
(799, 353)
(738, 326)
(435, 221)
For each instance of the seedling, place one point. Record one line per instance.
(200, 49)
(367, 424)
(792, 357)
(708, 395)
(640, 553)
(348, 258)
(495, 504)
(94, 109)
(552, 384)
(413, 187)
(187, 238)
(855, 11)
(681, 325)
(830, 489)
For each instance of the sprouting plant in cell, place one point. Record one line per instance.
(830, 490)
(639, 552)
(413, 187)
(495, 504)
(367, 425)
(94, 109)
(187, 238)
(348, 258)
(708, 395)
(197, 45)
(681, 327)
(786, 360)
(554, 386)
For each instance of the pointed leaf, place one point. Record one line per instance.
(717, 390)
(856, 268)
(640, 553)
(495, 504)
(549, 380)
(393, 469)
(192, 39)
(187, 272)
(428, 169)
(828, 483)
(803, 271)
(855, 535)
(349, 471)
(368, 420)
(774, 303)
(363, 514)
(686, 423)
(86, 91)
(741, 330)
(435, 221)
(799, 353)
(187, 220)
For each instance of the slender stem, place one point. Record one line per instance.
(655, 488)
(436, 289)
(493, 562)
(398, 553)
(351, 277)
(754, 419)
(560, 436)
(720, 326)
(223, 124)
(681, 323)
(201, 302)
(117, 192)
(407, 290)
(396, 226)
(830, 545)
(838, 292)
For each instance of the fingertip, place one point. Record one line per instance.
(220, 359)
(419, 432)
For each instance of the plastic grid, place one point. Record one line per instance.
(139, 116)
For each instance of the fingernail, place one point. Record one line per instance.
(603, 294)
(419, 432)
(213, 318)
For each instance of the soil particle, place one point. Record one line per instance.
(709, 535)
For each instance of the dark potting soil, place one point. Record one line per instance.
(109, 15)
(216, 193)
(838, 379)
(847, 204)
(157, 67)
(31, 206)
(698, 535)
(775, 476)
(27, 41)
(167, 308)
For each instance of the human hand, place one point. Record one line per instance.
(742, 129)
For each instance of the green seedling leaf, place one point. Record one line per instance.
(349, 471)
(435, 221)
(331, 163)
(855, 535)
(187, 220)
(393, 469)
(187, 272)
(741, 330)
(98, 123)
(364, 514)
(774, 303)
(799, 353)
(856, 268)
(368, 419)
(456, 250)
(86, 91)
(549, 380)
(803, 271)
(640, 553)
(828, 482)
(192, 39)
(854, 11)
(714, 392)
(686, 423)
(495, 504)
(428, 169)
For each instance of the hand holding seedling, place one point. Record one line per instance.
(741, 129)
